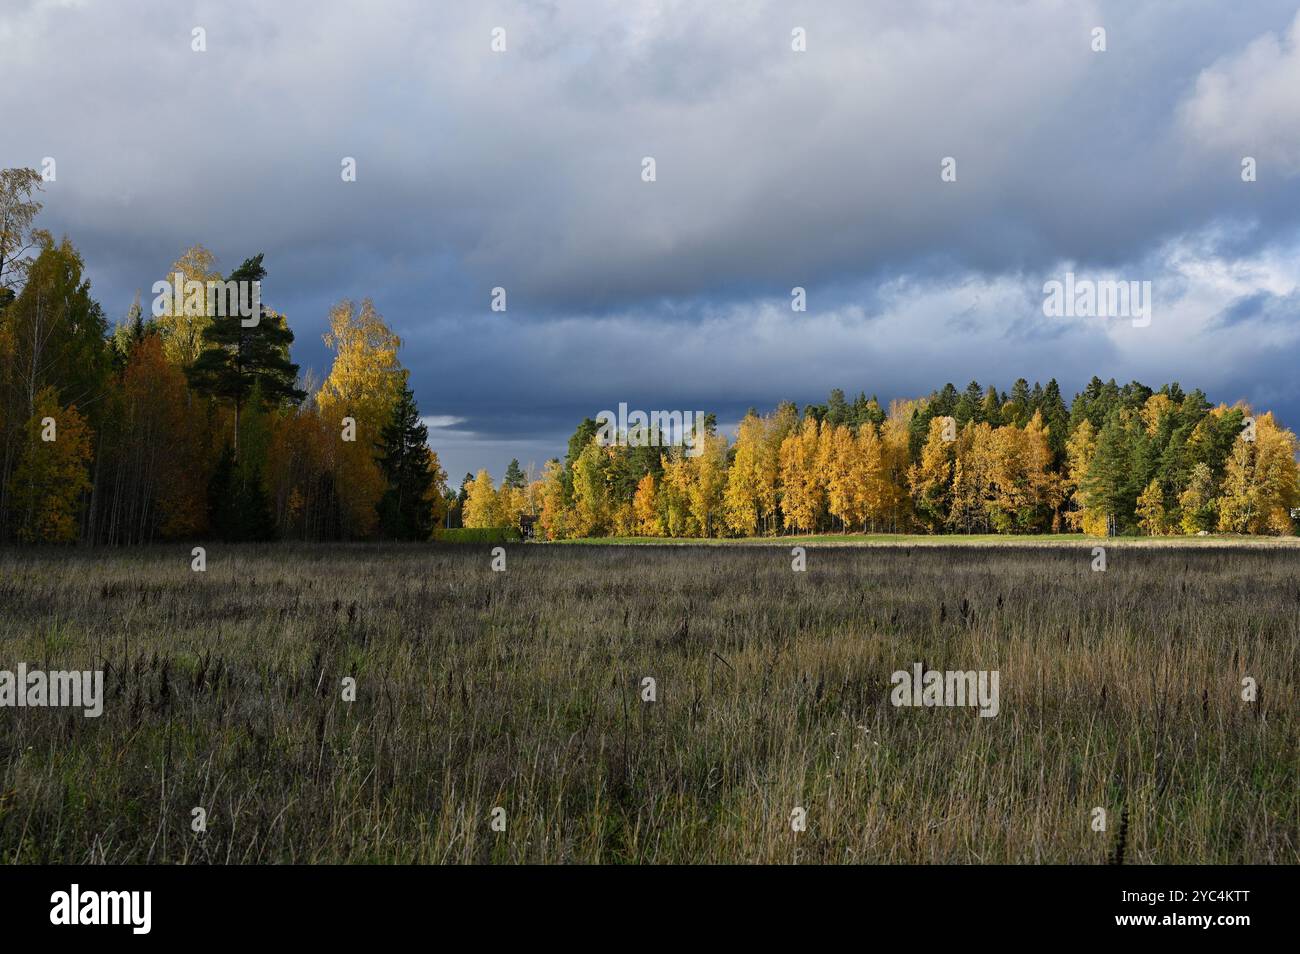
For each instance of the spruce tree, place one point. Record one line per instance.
(239, 509)
(577, 444)
(1057, 419)
(406, 508)
(969, 404)
(837, 409)
(1110, 483)
(1023, 410)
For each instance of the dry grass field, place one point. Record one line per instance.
(523, 690)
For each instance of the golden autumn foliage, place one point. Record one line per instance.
(804, 488)
(930, 480)
(1080, 450)
(1199, 501)
(168, 430)
(1151, 510)
(437, 496)
(706, 474)
(674, 497)
(149, 448)
(645, 508)
(1156, 409)
(357, 399)
(750, 494)
(553, 518)
(52, 475)
(182, 329)
(591, 504)
(366, 378)
(1260, 481)
(483, 504)
(162, 433)
(1002, 476)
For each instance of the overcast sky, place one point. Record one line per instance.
(774, 168)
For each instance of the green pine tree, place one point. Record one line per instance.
(239, 359)
(1110, 483)
(405, 509)
(238, 507)
(969, 405)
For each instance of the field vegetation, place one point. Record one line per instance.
(523, 690)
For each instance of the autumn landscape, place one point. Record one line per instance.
(650, 434)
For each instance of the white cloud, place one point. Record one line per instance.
(1249, 102)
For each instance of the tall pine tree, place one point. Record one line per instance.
(239, 360)
(406, 508)
(1111, 484)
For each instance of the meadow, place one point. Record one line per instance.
(524, 690)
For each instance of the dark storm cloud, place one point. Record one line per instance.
(774, 169)
(1262, 308)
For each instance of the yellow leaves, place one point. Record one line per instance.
(1157, 406)
(707, 473)
(358, 479)
(489, 506)
(803, 484)
(1260, 481)
(482, 505)
(930, 480)
(1021, 477)
(437, 498)
(590, 495)
(973, 475)
(553, 518)
(674, 492)
(183, 333)
(1151, 509)
(753, 480)
(1079, 451)
(512, 503)
(895, 458)
(874, 455)
(1002, 478)
(623, 521)
(52, 473)
(366, 378)
(745, 494)
(852, 468)
(1197, 500)
(645, 508)
(364, 383)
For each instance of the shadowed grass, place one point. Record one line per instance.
(522, 690)
(944, 540)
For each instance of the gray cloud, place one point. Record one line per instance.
(775, 169)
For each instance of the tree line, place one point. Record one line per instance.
(1117, 459)
(193, 423)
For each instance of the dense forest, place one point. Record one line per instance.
(187, 423)
(1117, 459)
(192, 424)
